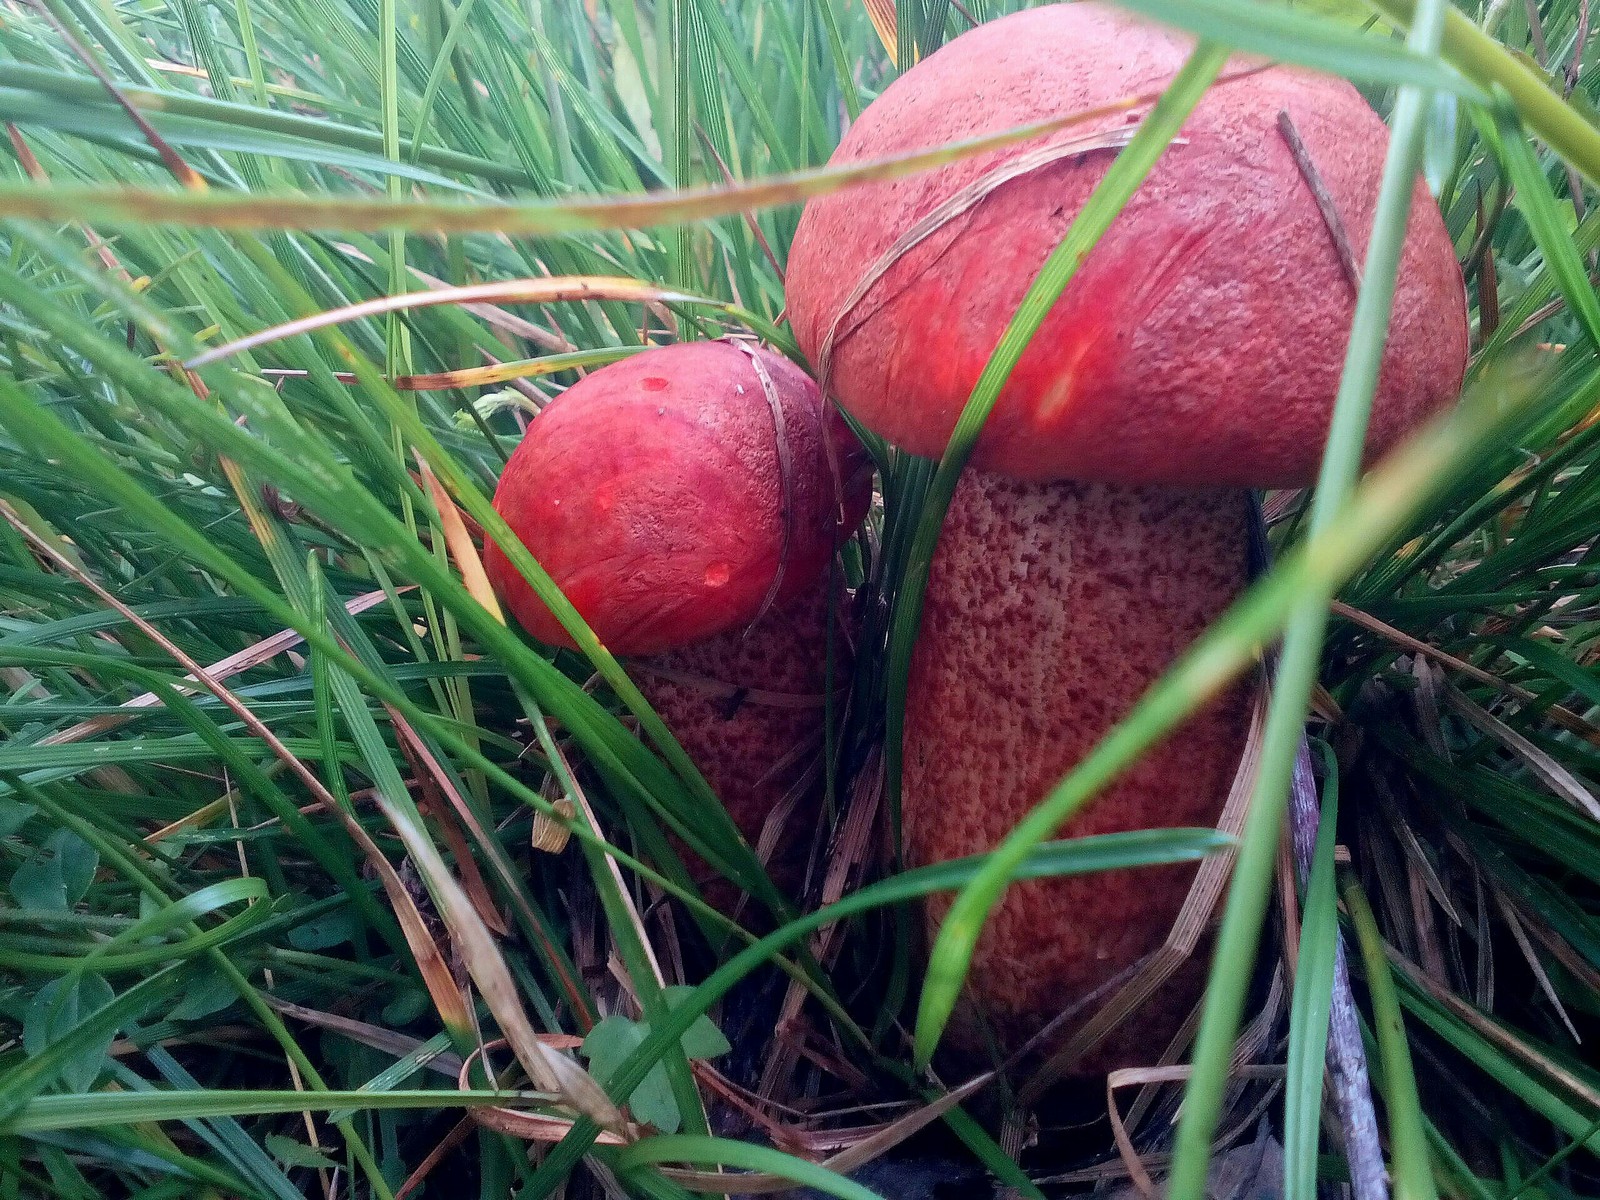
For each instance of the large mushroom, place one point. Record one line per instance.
(687, 500)
(1196, 353)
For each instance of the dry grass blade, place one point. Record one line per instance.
(1564, 717)
(1520, 936)
(243, 660)
(580, 802)
(550, 1071)
(387, 1041)
(554, 290)
(847, 859)
(551, 835)
(892, 1134)
(30, 163)
(431, 768)
(1324, 199)
(882, 15)
(490, 314)
(440, 381)
(448, 998)
(459, 541)
(1422, 866)
(780, 435)
(170, 158)
(1143, 1077)
(434, 787)
(458, 1134)
(530, 1126)
(1496, 1033)
(956, 206)
(222, 210)
(1562, 782)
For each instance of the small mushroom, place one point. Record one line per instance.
(685, 501)
(1196, 352)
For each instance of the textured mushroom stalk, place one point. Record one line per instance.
(687, 501)
(1050, 609)
(748, 708)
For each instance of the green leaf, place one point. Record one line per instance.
(610, 1043)
(60, 1007)
(722, 1152)
(331, 929)
(702, 1039)
(207, 995)
(14, 815)
(608, 1046)
(47, 1113)
(1412, 1171)
(297, 1154)
(57, 874)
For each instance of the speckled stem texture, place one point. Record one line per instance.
(1050, 609)
(747, 707)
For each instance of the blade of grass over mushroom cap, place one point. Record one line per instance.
(1234, 956)
(1120, 182)
(113, 205)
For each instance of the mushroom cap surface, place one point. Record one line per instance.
(653, 493)
(1202, 339)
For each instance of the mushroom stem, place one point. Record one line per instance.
(1049, 610)
(749, 707)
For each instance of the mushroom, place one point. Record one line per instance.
(684, 500)
(1195, 354)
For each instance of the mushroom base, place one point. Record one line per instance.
(1050, 609)
(747, 707)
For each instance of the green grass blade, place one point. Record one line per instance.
(1411, 1174)
(1245, 908)
(726, 1153)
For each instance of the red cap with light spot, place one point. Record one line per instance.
(1199, 343)
(673, 495)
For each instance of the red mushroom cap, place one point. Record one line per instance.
(653, 493)
(1201, 341)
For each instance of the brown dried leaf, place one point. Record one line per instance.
(459, 541)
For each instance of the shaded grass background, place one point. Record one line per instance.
(170, 868)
